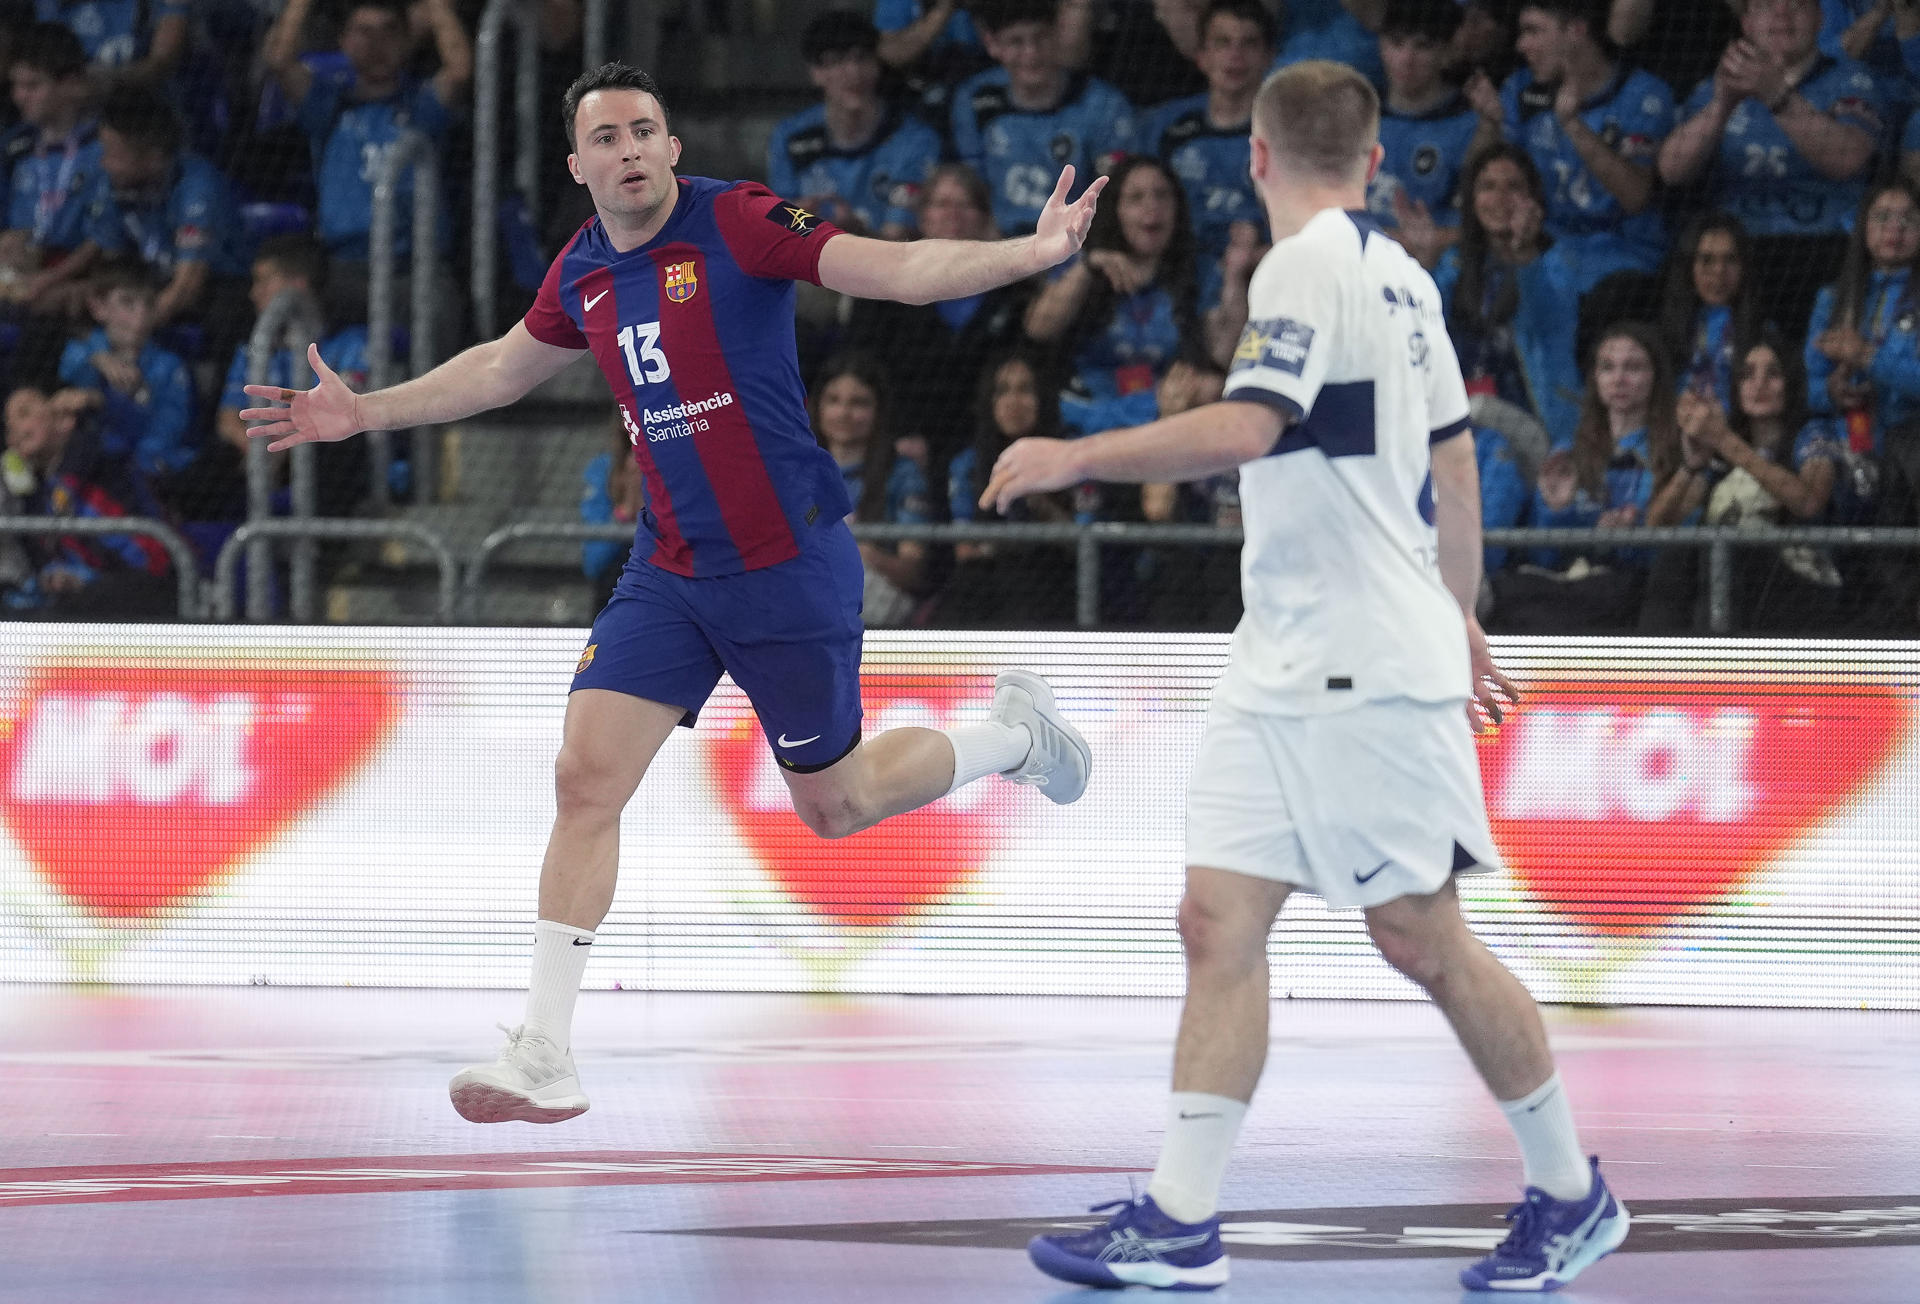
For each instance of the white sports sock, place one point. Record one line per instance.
(1193, 1158)
(560, 954)
(983, 749)
(1543, 1120)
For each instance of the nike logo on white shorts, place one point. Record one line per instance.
(798, 742)
(587, 306)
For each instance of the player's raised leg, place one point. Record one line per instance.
(609, 740)
(1567, 1218)
(1170, 1237)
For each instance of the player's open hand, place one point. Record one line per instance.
(1493, 693)
(1029, 466)
(324, 414)
(1062, 228)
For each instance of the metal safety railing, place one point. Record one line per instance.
(486, 142)
(228, 561)
(291, 322)
(412, 151)
(1089, 541)
(186, 568)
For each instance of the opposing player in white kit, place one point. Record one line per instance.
(1338, 757)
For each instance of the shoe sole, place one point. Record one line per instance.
(1062, 1266)
(1042, 694)
(480, 1102)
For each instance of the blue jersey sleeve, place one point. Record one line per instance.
(781, 177)
(907, 494)
(1819, 368)
(165, 444)
(1111, 125)
(233, 395)
(76, 365)
(200, 213)
(965, 125)
(962, 502)
(317, 112)
(901, 168)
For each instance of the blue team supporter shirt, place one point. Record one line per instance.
(1633, 113)
(1132, 349)
(893, 15)
(694, 333)
(51, 180)
(1760, 175)
(191, 218)
(878, 181)
(1020, 153)
(1425, 155)
(351, 139)
(1331, 33)
(906, 498)
(110, 30)
(345, 351)
(150, 429)
(1211, 163)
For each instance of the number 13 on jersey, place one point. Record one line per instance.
(646, 364)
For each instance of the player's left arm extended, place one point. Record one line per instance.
(1456, 515)
(1197, 443)
(931, 271)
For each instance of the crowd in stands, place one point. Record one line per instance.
(1674, 244)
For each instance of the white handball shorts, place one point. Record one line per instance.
(1359, 807)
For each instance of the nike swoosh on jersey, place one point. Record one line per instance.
(1369, 876)
(587, 305)
(798, 742)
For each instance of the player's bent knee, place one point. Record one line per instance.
(1211, 935)
(833, 819)
(1417, 951)
(585, 784)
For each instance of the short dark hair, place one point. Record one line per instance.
(50, 48)
(144, 118)
(1251, 11)
(614, 76)
(1594, 13)
(394, 9)
(299, 256)
(838, 31)
(995, 16)
(121, 272)
(1436, 20)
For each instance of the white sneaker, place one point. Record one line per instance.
(1060, 760)
(533, 1081)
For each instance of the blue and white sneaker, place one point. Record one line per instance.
(1139, 1246)
(1552, 1241)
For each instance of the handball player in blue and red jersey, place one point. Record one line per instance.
(682, 289)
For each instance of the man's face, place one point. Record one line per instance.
(1543, 43)
(846, 77)
(1413, 62)
(376, 42)
(30, 424)
(125, 314)
(130, 166)
(1029, 51)
(1233, 54)
(35, 94)
(268, 281)
(1786, 29)
(622, 153)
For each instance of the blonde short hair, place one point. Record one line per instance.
(1320, 118)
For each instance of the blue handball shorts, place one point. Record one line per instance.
(789, 635)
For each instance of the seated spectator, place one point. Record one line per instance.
(948, 341)
(1008, 585)
(297, 264)
(853, 157)
(1506, 289)
(1204, 138)
(1594, 125)
(613, 493)
(1427, 129)
(171, 209)
(53, 156)
(1126, 306)
(1340, 30)
(850, 421)
(354, 115)
(1783, 138)
(1187, 587)
(1764, 463)
(1019, 123)
(1863, 341)
(74, 577)
(1880, 34)
(128, 44)
(145, 393)
(1626, 447)
(1708, 307)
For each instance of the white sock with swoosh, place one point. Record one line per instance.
(560, 954)
(1543, 1120)
(983, 749)
(1201, 1129)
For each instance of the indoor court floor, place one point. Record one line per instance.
(276, 1146)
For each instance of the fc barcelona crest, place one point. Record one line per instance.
(681, 282)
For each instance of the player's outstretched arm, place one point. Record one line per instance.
(1197, 443)
(931, 271)
(486, 376)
